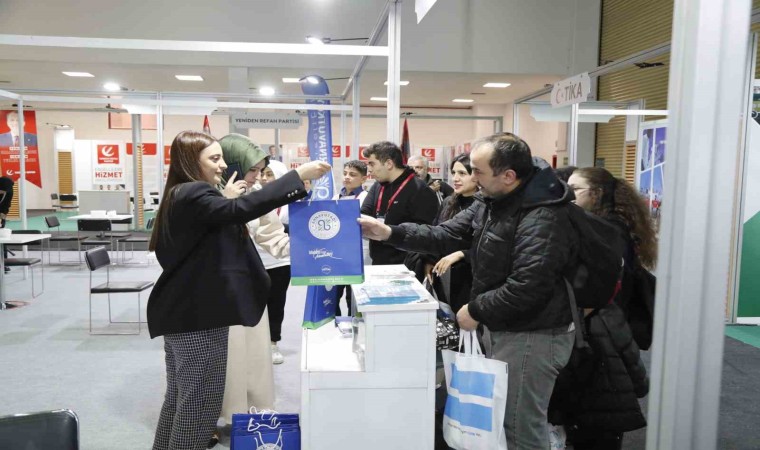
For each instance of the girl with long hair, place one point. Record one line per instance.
(596, 398)
(210, 271)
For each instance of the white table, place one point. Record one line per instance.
(382, 398)
(15, 239)
(112, 218)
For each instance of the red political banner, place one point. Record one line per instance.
(167, 154)
(10, 151)
(149, 149)
(361, 153)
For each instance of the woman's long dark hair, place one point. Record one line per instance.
(616, 197)
(184, 168)
(452, 207)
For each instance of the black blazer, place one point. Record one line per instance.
(213, 276)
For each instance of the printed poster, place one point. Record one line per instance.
(10, 150)
(108, 165)
(650, 165)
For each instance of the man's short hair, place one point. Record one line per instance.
(384, 151)
(509, 152)
(358, 165)
(424, 160)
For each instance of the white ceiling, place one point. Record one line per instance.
(457, 48)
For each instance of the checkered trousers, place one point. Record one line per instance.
(196, 365)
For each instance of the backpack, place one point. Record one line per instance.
(597, 277)
(641, 307)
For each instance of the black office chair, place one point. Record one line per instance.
(101, 226)
(135, 240)
(55, 202)
(30, 263)
(49, 430)
(54, 226)
(68, 202)
(97, 258)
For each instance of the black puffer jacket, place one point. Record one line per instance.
(601, 391)
(517, 286)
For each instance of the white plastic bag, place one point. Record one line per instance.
(557, 437)
(477, 401)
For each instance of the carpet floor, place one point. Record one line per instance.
(116, 383)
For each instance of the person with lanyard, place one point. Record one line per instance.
(399, 196)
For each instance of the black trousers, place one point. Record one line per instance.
(348, 299)
(583, 439)
(278, 293)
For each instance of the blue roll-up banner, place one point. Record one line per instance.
(319, 140)
(319, 137)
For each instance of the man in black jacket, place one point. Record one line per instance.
(398, 196)
(520, 241)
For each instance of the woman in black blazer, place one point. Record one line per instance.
(212, 278)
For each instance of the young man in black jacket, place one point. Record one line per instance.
(521, 243)
(398, 196)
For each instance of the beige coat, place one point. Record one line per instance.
(250, 379)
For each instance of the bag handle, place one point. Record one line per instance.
(470, 341)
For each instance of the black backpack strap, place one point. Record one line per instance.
(580, 332)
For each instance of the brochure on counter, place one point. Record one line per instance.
(390, 285)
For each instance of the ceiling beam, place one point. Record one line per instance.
(192, 46)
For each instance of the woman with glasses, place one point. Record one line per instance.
(596, 397)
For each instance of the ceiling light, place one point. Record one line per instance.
(189, 77)
(266, 91)
(379, 99)
(79, 74)
(291, 80)
(110, 86)
(315, 40)
(497, 85)
(400, 83)
(463, 100)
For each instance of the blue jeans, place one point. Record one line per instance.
(534, 359)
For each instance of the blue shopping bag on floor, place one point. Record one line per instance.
(477, 398)
(265, 431)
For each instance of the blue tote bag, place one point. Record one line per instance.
(325, 243)
(477, 398)
(265, 431)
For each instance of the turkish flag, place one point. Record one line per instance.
(405, 146)
(206, 125)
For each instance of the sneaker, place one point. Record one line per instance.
(277, 357)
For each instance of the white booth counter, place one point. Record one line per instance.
(382, 396)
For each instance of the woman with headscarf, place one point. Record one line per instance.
(250, 381)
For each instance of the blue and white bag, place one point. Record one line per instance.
(474, 415)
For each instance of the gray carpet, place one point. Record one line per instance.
(116, 383)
